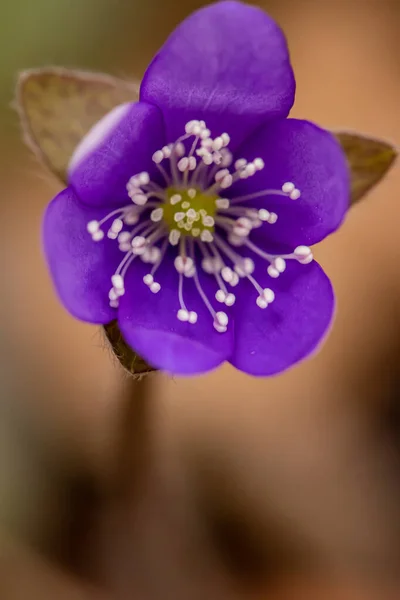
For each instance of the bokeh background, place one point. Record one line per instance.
(291, 484)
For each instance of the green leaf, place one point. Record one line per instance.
(369, 161)
(58, 107)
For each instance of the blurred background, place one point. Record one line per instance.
(276, 488)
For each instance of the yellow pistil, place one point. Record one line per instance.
(190, 211)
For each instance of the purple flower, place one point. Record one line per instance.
(189, 215)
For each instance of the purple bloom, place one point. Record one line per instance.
(189, 215)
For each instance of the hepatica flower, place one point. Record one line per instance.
(189, 215)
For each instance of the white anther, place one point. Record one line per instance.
(178, 216)
(193, 317)
(261, 303)
(148, 279)
(185, 205)
(157, 214)
(117, 281)
(112, 295)
(192, 163)
(222, 203)
(218, 143)
(273, 217)
(131, 218)
(183, 164)
(205, 134)
(303, 254)
(265, 298)
(279, 264)
(179, 149)
(295, 195)
(221, 321)
(227, 274)
(196, 232)
(249, 170)
(97, 236)
(273, 272)
(226, 182)
(175, 199)
(206, 236)
(227, 158)
(183, 315)
(190, 125)
(174, 236)
(167, 151)
(124, 236)
(208, 221)
(220, 296)
(230, 299)
(208, 159)
(226, 139)
(139, 199)
(158, 157)
(117, 226)
(288, 187)
(192, 193)
(155, 287)
(235, 280)
(92, 227)
(240, 164)
(263, 214)
(183, 264)
(219, 175)
(242, 227)
(259, 164)
(138, 244)
(245, 267)
(114, 303)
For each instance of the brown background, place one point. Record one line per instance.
(310, 453)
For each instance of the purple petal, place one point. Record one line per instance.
(150, 326)
(119, 146)
(268, 341)
(311, 158)
(81, 269)
(228, 64)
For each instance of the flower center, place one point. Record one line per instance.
(190, 211)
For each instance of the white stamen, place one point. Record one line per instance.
(148, 279)
(295, 195)
(98, 236)
(288, 187)
(273, 217)
(220, 296)
(158, 157)
(184, 265)
(222, 203)
(183, 315)
(139, 199)
(92, 227)
(155, 287)
(303, 254)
